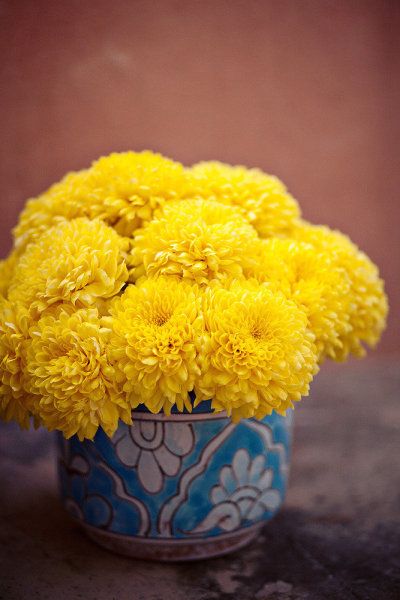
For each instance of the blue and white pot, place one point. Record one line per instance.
(179, 487)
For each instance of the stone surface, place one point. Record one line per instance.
(338, 535)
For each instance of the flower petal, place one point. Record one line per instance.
(169, 462)
(256, 469)
(218, 494)
(149, 472)
(240, 466)
(265, 480)
(127, 451)
(179, 438)
(268, 501)
(228, 480)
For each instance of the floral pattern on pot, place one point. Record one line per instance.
(156, 449)
(184, 478)
(244, 493)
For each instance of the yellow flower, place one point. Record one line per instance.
(367, 301)
(122, 189)
(63, 201)
(15, 402)
(126, 188)
(236, 299)
(263, 198)
(7, 267)
(257, 354)
(156, 332)
(70, 369)
(315, 283)
(78, 261)
(197, 240)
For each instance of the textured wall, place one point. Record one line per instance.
(306, 90)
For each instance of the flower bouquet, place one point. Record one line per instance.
(164, 320)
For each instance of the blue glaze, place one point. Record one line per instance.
(177, 477)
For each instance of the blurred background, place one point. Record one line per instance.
(306, 90)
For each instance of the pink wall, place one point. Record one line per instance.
(306, 90)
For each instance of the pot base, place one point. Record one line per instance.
(174, 550)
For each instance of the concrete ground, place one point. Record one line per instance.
(337, 537)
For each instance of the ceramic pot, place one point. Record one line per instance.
(179, 487)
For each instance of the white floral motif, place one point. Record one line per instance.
(244, 493)
(156, 449)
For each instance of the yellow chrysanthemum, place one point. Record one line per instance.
(122, 189)
(156, 332)
(197, 240)
(70, 369)
(126, 188)
(7, 267)
(15, 402)
(77, 262)
(258, 354)
(315, 283)
(236, 298)
(263, 198)
(367, 301)
(68, 199)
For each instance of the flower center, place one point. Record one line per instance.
(256, 333)
(160, 319)
(258, 328)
